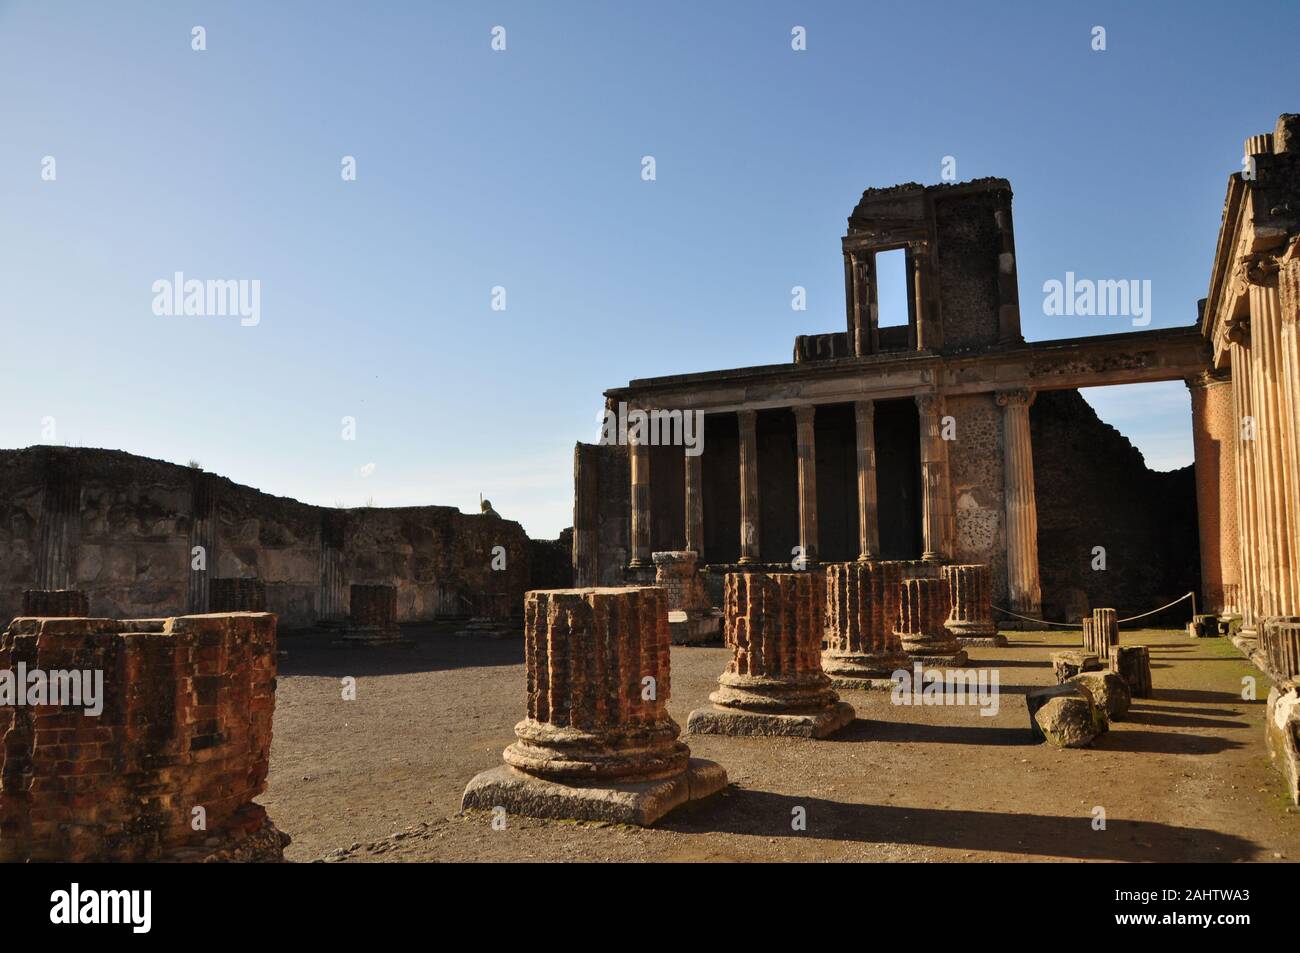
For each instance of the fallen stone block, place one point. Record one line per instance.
(1280, 734)
(1065, 715)
(1108, 690)
(1065, 665)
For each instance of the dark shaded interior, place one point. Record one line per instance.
(720, 473)
(837, 482)
(898, 478)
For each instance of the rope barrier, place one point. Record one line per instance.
(1132, 618)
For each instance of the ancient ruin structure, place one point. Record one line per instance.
(598, 742)
(971, 617)
(1133, 664)
(1101, 632)
(1066, 665)
(143, 538)
(1280, 642)
(55, 602)
(691, 616)
(923, 607)
(167, 769)
(372, 617)
(774, 683)
(1249, 395)
(911, 440)
(237, 595)
(862, 648)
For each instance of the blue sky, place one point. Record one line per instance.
(521, 169)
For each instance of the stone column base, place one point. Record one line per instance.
(372, 635)
(976, 633)
(863, 672)
(631, 802)
(730, 721)
(945, 657)
(694, 628)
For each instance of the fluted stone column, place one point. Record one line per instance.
(639, 459)
(749, 529)
(929, 330)
(597, 742)
(861, 302)
(1101, 632)
(695, 503)
(774, 683)
(933, 488)
(862, 648)
(1023, 586)
(807, 448)
(868, 507)
(1246, 445)
(924, 605)
(971, 617)
(1288, 292)
(1278, 484)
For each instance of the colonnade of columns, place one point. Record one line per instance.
(937, 516)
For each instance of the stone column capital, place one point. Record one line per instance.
(1207, 378)
(1014, 398)
(747, 419)
(1260, 269)
(803, 414)
(929, 404)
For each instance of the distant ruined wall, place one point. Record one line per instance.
(1093, 489)
(122, 528)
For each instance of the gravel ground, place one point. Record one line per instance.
(1184, 778)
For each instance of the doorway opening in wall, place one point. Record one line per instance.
(1116, 493)
(892, 299)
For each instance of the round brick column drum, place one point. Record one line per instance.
(924, 605)
(971, 592)
(773, 624)
(774, 683)
(591, 712)
(861, 609)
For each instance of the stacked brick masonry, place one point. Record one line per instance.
(186, 723)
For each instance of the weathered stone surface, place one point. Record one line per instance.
(1070, 721)
(372, 618)
(597, 741)
(1108, 690)
(1133, 664)
(692, 620)
(1101, 632)
(1280, 734)
(66, 603)
(1067, 722)
(924, 604)
(862, 648)
(1279, 640)
(620, 802)
(186, 723)
(1066, 665)
(970, 619)
(237, 595)
(774, 683)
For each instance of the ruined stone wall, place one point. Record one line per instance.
(1093, 489)
(969, 245)
(122, 528)
(608, 483)
(187, 705)
(976, 468)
